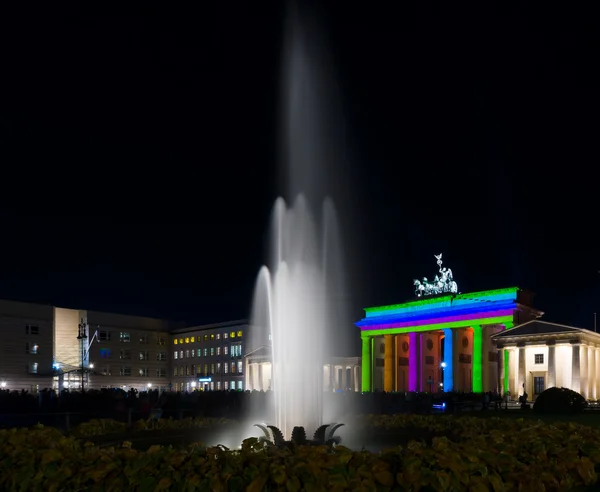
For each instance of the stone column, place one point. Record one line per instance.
(551, 366)
(457, 347)
(260, 378)
(448, 360)
(367, 364)
(414, 362)
(597, 352)
(522, 372)
(583, 373)
(576, 369)
(477, 367)
(592, 372)
(388, 364)
(501, 373)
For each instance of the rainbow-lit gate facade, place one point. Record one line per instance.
(440, 343)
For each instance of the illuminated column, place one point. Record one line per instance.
(367, 363)
(413, 362)
(456, 379)
(576, 369)
(597, 351)
(448, 360)
(522, 371)
(388, 364)
(551, 366)
(592, 372)
(506, 377)
(583, 373)
(501, 371)
(477, 359)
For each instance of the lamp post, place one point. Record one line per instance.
(82, 337)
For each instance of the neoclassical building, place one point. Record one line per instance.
(538, 355)
(440, 342)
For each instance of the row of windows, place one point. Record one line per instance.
(206, 338)
(143, 372)
(126, 354)
(208, 370)
(125, 337)
(235, 351)
(226, 385)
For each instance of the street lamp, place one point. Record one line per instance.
(3, 384)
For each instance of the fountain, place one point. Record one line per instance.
(295, 299)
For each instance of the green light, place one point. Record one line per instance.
(366, 364)
(439, 326)
(441, 299)
(477, 359)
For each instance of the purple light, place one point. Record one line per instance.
(435, 321)
(413, 363)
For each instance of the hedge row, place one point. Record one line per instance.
(499, 455)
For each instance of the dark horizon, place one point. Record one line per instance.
(143, 147)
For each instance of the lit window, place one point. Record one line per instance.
(232, 334)
(218, 336)
(187, 353)
(218, 385)
(161, 356)
(226, 384)
(105, 353)
(205, 352)
(218, 368)
(239, 367)
(181, 341)
(225, 350)
(205, 338)
(143, 372)
(175, 355)
(145, 355)
(212, 351)
(225, 335)
(212, 336)
(124, 336)
(199, 352)
(212, 386)
(240, 386)
(143, 338)
(218, 350)
(226, 367)
(175, 371)
(206, 369)
(212, 368)
(181, 354)
(233, 368)
(239, 333)
(175, 341)
(192, 339)
(192, 353)
(33, 368)
(187, 340)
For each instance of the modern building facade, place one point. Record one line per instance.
(440, 343)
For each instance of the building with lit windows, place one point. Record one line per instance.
(209, 357)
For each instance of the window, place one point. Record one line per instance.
(175, 355)
(239, 367)
(175, 371)
(33, 368)
(187, 339)
(233, 368)
(225, 335)
(218, 350)
(212, 351)
(218, 368)
(124, 336)
(144, 355)
(161, 340)
(199, 352)
(218, 385)
(232, 385)
(181, 354)
(225, 350)
(161, 372)
(182, 370)
(32, 330)
(232, 334)
(240, 385)
(226, 384)
(206, 369)
(125, 355)
(143, 338)
(212, 368)
(143, 372)
(187, 370)
(104, 336)
(205, 352)
(205, 338)
(192, 353)
(538, 384)
(192, 339)
(125, 371)
(161, 356)
(175, 341)
(181, 341)
(212, 386)
(226, 367)
(239, 333)
(193, 370)
(105, 353)
(31, 348)
(187, 353)
(219, 338)
(212, 336)
(105, 370)
(538, 359)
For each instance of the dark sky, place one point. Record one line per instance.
(140, 152)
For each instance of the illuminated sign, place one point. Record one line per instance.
(205, 380)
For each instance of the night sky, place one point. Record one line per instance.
(140, 152)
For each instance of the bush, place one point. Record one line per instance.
(499, 455)
(559, 401)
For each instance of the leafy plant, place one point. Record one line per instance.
(323, 436)
(559, 401)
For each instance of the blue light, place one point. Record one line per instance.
(448, 379)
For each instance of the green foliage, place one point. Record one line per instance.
(559, 401)
(494, 455)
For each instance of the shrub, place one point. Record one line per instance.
(559, 401)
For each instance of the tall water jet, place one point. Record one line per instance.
(295, 301)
